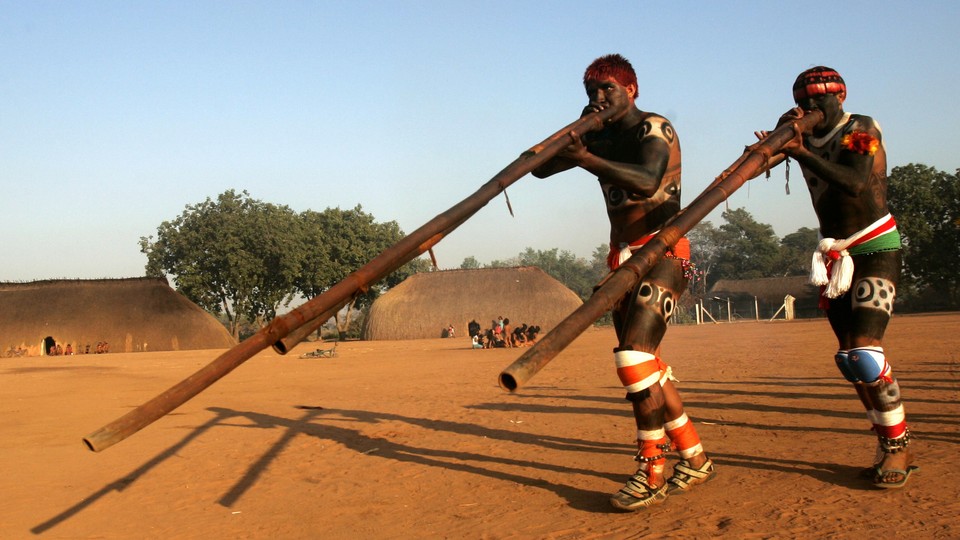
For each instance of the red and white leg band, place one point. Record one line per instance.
(684, 436)
(652, 447)
(890, 424)
(638, 370)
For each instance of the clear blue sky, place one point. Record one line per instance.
(116, 115)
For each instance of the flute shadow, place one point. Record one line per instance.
(127, 480)
(454, 460)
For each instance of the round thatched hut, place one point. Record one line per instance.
(135, 314)
(425, 304)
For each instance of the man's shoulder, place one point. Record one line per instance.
(862, 122)
(653, 118)
(655, 125)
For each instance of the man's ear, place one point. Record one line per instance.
(632, 91)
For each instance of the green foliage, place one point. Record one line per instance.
(704, 251)
(748, 249)
(577, 274)
(235, 255)
(470, 263)
(242, 258)
(926, 205)
(796, 249)
(337, 243)
(741, 248)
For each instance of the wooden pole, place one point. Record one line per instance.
(311, 315)
(754, 161)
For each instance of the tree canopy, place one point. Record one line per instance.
(742, 248)
(338, 242)
(577, 273)
(243, 259)
(233, 255)
(926, 205)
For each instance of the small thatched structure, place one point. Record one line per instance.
(425, 304)
(769, 294)
(136, 314)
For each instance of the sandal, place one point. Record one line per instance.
(685, 477)
(892, 446)
(638, 493)
(878, 474)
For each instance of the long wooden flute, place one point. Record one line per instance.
(753, 161)
(318, 310)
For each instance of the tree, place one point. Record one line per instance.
(577, 274)
(338, 242)
(926, 205)
(748, 249)
(236, 256)
(470, 263)
(796, 249)
(741, 248)
(598, 263)
(704, 253)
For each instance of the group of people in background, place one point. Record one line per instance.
(502, 334)
(59, 350)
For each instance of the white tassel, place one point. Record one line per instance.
(818, 265)
(841, 270)
(841, 277)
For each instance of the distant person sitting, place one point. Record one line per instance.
(477, 341)
(519, 336)
(488, 338)
(532, 333)
(497, 341)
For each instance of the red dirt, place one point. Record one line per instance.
(414, 439)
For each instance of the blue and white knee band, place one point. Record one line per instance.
(863, 364)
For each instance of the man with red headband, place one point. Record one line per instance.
(636, 159)
(857, 263)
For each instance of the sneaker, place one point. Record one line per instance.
(685, 477)
(637, 494)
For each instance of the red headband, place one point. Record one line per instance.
(818, 80)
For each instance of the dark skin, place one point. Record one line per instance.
(854, 195)
(643, 178)
(640, 325)
(848, 193)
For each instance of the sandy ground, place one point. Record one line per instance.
(416, 440)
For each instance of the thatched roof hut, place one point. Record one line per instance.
(425, 304)
(135, 314)
(770, 292)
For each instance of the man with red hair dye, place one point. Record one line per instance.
(857, 263)
(636, 159)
